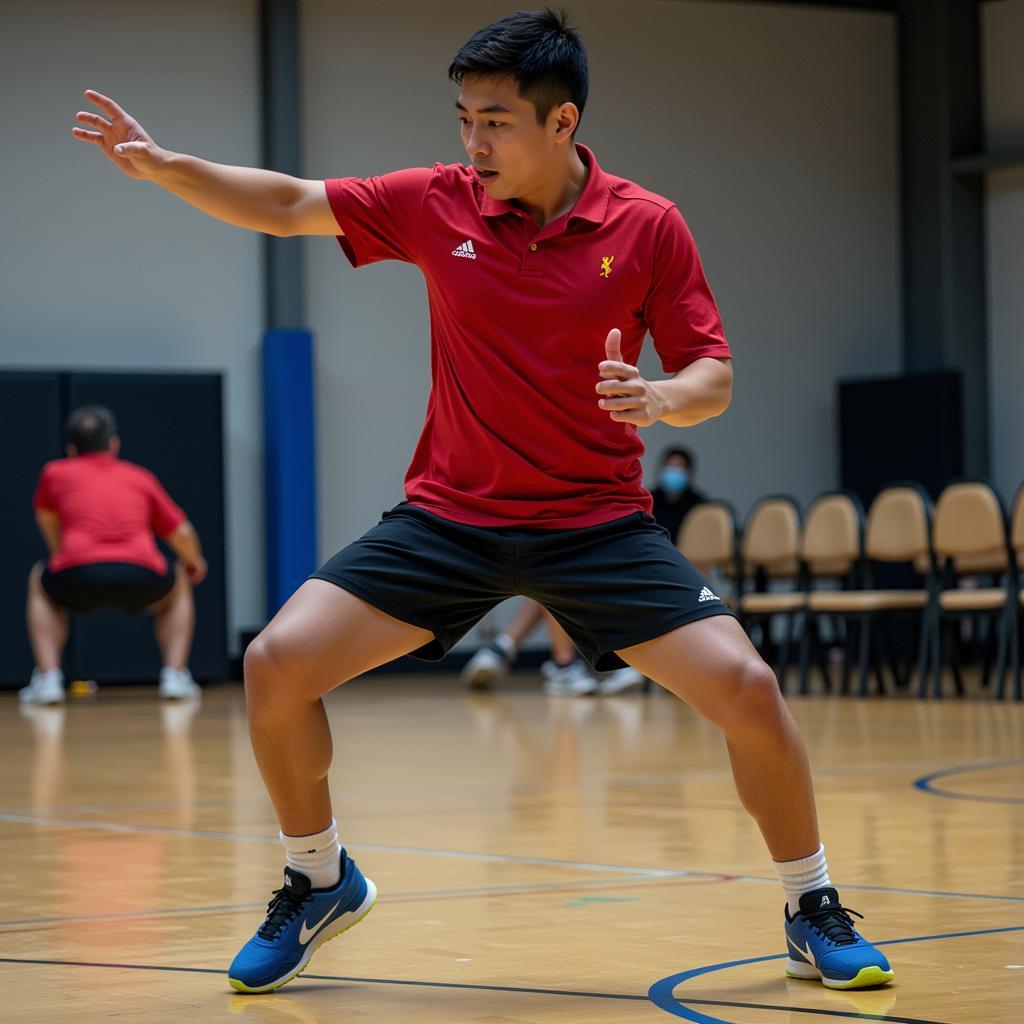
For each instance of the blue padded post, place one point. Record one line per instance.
(289, 460)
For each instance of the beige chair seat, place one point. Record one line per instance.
(770, 604)
(984, 599)
(847, 601)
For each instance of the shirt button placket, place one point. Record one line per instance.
(531, 259)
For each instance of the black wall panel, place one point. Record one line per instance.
(30, 429)
(901, 428)
(170, 423)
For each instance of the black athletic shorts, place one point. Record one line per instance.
(609, 586)
(86, 588)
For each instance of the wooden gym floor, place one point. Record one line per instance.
(540, 859)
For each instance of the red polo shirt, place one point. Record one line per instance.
(108, 509)
(518, 320)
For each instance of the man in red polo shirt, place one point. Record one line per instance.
(544, 274)
(98, 515)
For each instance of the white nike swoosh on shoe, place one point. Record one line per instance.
(305, 934)
(803, 952)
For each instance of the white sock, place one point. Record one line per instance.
(318, 857)
(800, 876)
(507, 645)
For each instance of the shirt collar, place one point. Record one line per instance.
(591, 204)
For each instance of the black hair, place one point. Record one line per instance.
(539, 49)
(691, 461)
(90, 428)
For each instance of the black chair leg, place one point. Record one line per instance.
(823, 666)
(883, 659)
(923, 652)
(955, 647)
(937, 653)
(852, 625)
(807, 638)
(1009, 642)
(995, 632)
(1002, 626)
(864, 658)
(1014, 625)
(788, 640)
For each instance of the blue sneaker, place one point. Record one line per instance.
(299, 920)
(823, 944)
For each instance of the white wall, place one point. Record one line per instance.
(1003, 41)
(773, 128)
(97, 270)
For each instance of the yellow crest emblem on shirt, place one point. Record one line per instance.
(606, 265)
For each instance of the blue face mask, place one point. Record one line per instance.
(673, 479)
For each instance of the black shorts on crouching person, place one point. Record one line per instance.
(609, 586)
(87, 588)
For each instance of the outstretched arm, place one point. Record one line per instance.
(247, 197)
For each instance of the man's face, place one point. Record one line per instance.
(511, 153)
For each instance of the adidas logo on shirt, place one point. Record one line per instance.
(706, 595)
(466, 250)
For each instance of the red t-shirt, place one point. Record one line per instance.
(518, 320)
(108, 509)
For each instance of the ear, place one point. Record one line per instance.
(564, 119)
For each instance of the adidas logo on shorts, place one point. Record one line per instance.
(706, 595)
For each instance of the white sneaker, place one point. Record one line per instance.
(621, 679)
(43, 688)
(178, 684)
(487, 666)
(572, 680)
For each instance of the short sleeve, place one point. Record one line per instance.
(680, 311)
(379, 216)
(164, 515)
(43, 499)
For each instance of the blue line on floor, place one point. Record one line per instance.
(926, 782)
(662, 993)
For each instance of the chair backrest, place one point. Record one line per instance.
(771, 537)
(899, 527)
(1017, 524)
(970, 528)
(833, 534)
(708, 536)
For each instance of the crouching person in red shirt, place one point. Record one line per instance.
(98, 515)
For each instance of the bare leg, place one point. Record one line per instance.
(175, 620)
(712, 666)
(321, 638)
(563, 650)
(524, 621)
(47, 623)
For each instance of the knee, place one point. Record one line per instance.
(36, 574)
(755, 698)
(264, 667)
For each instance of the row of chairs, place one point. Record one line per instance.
(840, 570)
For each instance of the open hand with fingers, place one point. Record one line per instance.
(625, 395)
(123, 140)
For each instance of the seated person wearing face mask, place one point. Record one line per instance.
(675, 494)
